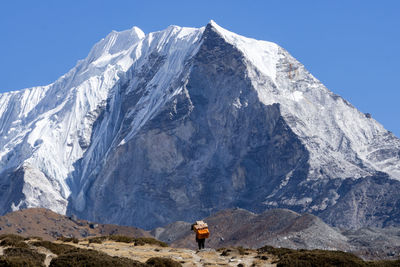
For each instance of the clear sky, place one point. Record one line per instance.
(352, 46)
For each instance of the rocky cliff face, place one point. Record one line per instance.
(186, 122)
(200, 152)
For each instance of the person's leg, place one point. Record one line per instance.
(203, 241)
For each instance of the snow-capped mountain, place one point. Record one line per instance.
(176, 124)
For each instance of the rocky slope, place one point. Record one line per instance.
(279, 228)
(286, 229)
(181, 123)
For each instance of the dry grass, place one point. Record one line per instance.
(97, 240)
(12, 240)
(68, 239)
(91, 258)
(55, 248)
(150, 241)
(22, 257)
(323, 258)
(12, 237)
(137, 241)
(162, 262)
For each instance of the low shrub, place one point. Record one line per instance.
(12, 237)
(98, 239)
(121, 238)
(13, 241)
(320, 258)
(225, 252)
(53, 247)
(162, 262)
(242, 251)
(138, 241)
(68, 239)
(22, 257)
(91, 258)
(290, 257)
(275, 251)
(148, 240)
(17, 262)
(384, 263)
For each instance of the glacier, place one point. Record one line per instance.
(176, 124)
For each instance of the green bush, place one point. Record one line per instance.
(91, 258)
(162, 262)
(22, 257)
(53, 247)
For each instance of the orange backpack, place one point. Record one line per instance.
(201, 229)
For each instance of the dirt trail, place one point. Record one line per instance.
(48, 253)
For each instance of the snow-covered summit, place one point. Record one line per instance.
(262, 54)
(115, 42)
(181, 114)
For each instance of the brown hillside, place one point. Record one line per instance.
(50, 225)
(279, 227)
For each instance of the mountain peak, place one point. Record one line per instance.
(116, 42)
(261, 54)
(212, 23)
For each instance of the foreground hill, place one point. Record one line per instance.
(49, 225)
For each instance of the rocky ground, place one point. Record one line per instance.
(142, 253)
(187, 257)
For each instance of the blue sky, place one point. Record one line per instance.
(352, 46)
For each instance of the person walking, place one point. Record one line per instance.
(202, 232)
